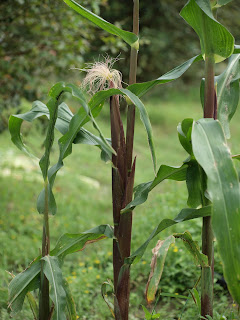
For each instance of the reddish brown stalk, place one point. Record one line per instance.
(210, 111)
(122, 188)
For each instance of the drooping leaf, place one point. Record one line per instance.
(128, 37)
(83, 115)
(142, 190)
(101, 96)
(157, 264)
(184, 215)
(53, 272)
(212, 152)
(70, 243)
(139, 89)
(105, 295)
(24, 282)
(192, 246)
(215, 39)
(62, 125)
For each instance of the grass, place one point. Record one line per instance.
(83, 194)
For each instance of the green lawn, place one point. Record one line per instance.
(83, 194)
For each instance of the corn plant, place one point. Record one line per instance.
(213, 194)
(209, 171)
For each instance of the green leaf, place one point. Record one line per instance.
(70, 243)
(236, 157)
(83, 115)
(196, 299)
(101, 96)
(79, 119)
(142, 190)
(128, 37)
(195, 180)
(71, 308)
(195, 177)
(157, 264)
(215, 39)
(33, 305)
(227, 85)
(139, 89)
(20, 285)
(53, 272)
(148, 315)
(105, 295)
(192, 246)
(184, 134)
(212, 152)
(228, 92)
(184, 215)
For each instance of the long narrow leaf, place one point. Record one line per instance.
(212, 152)
(184, 215)
(53, 273)
(139, 89)
(128, 37)
(24, 282)
(142, 190)
(70, 243)
(193, 248)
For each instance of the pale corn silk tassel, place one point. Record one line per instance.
(101, 76)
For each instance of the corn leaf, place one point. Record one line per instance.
(184, 215)
(215, 39)
(139, 89)
(26, 281)
(228, 92)
(212, 152)
(157, 264)
(70, 243)
(129, 37)
(193, 248)
(53, 272)
(142, 190)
